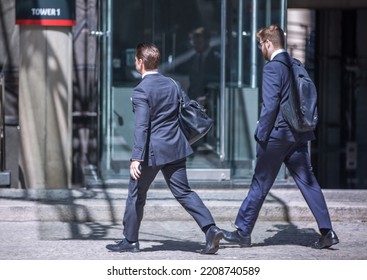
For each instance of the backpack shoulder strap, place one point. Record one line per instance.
(282, 62)
(289, 68)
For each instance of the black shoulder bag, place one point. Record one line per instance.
(192, 118)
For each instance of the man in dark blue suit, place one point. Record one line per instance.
(159, 145)
(277, 143)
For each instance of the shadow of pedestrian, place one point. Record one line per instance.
(173, 245)
(290, 234)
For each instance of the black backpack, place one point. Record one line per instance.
(300, 110)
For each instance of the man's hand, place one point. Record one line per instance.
(135, 169)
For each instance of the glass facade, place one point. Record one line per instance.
(210, 47)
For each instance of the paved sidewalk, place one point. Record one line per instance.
(77, 224)
(171, 240)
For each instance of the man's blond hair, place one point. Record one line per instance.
(274, 34)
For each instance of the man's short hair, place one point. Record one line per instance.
(150, 55)
(273, 33)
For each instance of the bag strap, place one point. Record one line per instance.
(183, 97)
(289, 68)
(282, 62)
(178, 89)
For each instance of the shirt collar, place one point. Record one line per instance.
(150, 72)
(276, 53)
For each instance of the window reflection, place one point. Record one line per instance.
(178, 28)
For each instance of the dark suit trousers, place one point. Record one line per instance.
(270, 157)
(176, 178)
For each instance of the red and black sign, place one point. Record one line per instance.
(45, 12)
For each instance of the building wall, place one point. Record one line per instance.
(341, 82)
(341, 78)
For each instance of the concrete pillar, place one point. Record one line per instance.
(45, 104)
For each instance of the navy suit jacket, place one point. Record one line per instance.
(158, 140)
(275, 90)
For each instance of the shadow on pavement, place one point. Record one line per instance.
(290, 235)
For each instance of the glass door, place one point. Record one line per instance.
(210, 48)
(188, 33)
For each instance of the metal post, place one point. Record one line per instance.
(2, 124)
(108, 55)
(268, 12)
(240, 44)
(223, 78)
(5, 175)
(283, 11)
(254, 45)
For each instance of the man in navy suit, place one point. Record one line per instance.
(159, 145)
(277, 144)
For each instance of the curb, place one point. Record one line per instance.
(101, 205)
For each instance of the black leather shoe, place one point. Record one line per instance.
(124, 246)
(327, 240)
(237, 237)
(213, 236)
